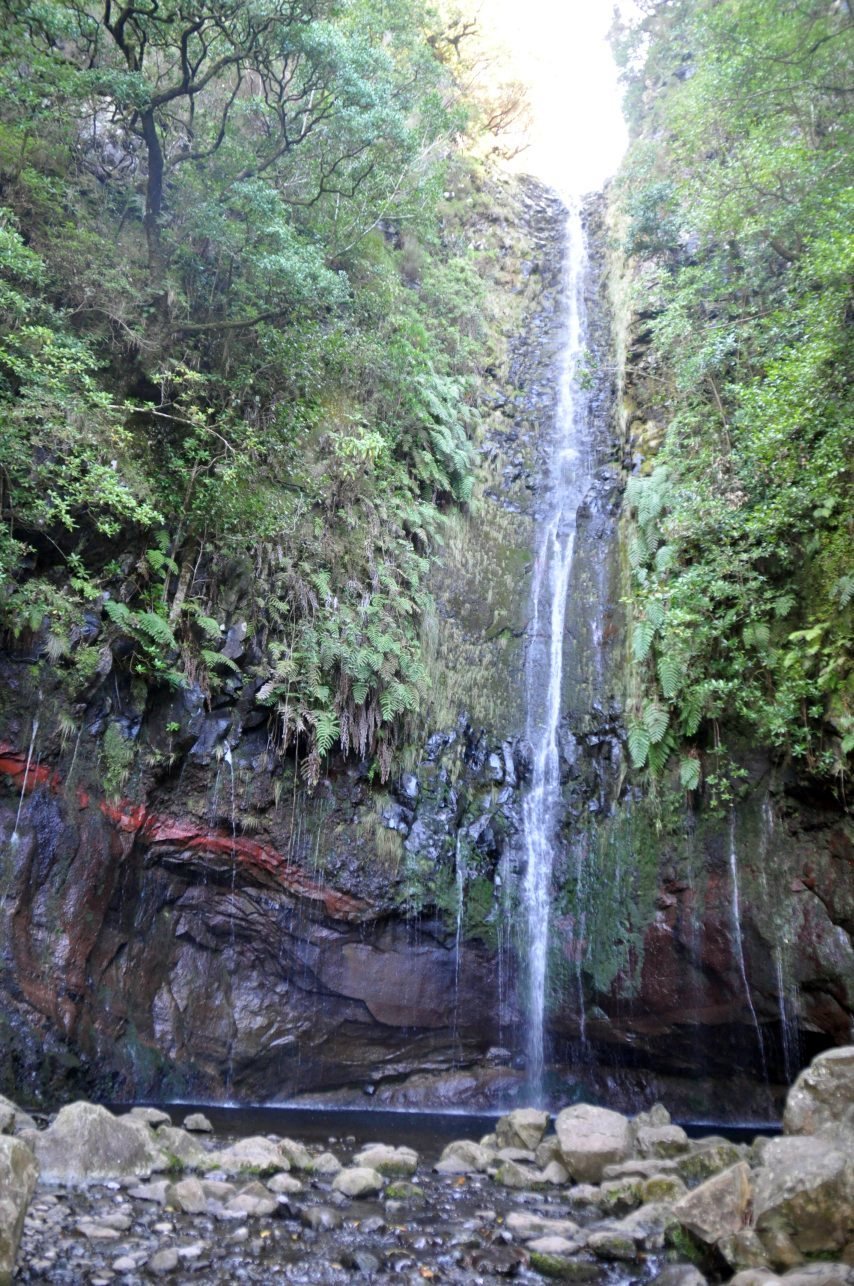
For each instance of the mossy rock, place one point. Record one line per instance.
(404, 1192)
(567, 1270)
(707, 1161)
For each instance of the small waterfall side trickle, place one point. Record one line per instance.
(566, 481)
(25, 779)
(738, 946)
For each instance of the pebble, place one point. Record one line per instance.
(163, 1262)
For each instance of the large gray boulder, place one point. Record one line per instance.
(358, 1181)
(13, 1119)
(590, 1139)
(388, 1160)
(255, 1155)
(464, 1156)
(86, 1144)
(822, 1098)
(523, 1128)
(18, 1176)
(719, 1207)
(805, 1189)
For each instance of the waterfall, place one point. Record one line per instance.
(566, 481)
(25, 779)
(738, 946)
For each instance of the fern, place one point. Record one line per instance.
(639, 743)
(642, 636)
(656, 720)
(669, 674)
(213, 659)
(326, 730)
(655, 613)
(757, 635)
(691, 712)
(689, 773)
(156, 628)
(843, 590)
(120, 614)
(665, 559)
(659, 753)
(638, 551)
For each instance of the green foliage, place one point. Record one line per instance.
(738, 213)
(215, 368)
(117, 755)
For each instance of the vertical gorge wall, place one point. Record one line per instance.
(218, 933)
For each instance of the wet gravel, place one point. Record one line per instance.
(429, 1227)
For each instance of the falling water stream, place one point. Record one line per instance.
(566, 483)
(738, 946)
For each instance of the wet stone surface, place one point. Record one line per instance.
(206, 1227)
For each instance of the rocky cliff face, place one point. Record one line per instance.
(217, 933)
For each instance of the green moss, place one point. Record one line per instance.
(117, 756)
(404, 1192)
(568, 1270)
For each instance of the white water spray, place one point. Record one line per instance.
(567, 481)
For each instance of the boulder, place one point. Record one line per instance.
(218, 1190)
(743, 1250)
(284, 1185)
(650, 1225)
(358, 1181)
(719, 1207)
(707, 1157)
(513, 1175)
(18, 1176)
(805, 1189)
(86, 1143)
(464, 1157)
(189, 1196)
(152, 1116)
(198, 1123)
(388, 1160)
(151, 1191)
(820, 1275)
(253, 1200)
(565, 1269)
(680, 1275)
(526, 1226)
(325, 1163)
(822, 1098)
(755, 1277)
(661, 1140)
(13, 1118)
(523, 1128)
(613, 1243)
(662, 1187)
(298, 1155)
(654, 1116)
(182, 1150)
(516, 1154)
(639, 1169)
(554, 1246)
(590, 1139)
(255, 1155)
(548, 1151)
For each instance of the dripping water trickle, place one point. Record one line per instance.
(565, 485)
(738, 946)
(25, 778)
(229, 1080)
(458, 937)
